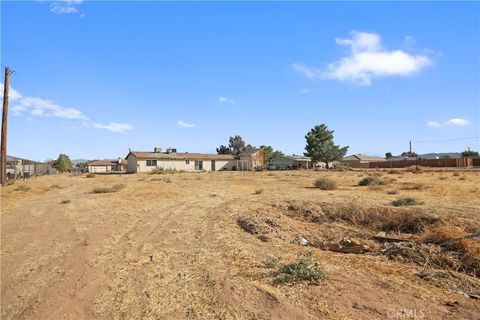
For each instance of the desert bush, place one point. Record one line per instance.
(65, 201)
(111, 189)
(22, 188)
(300, 270)
(90, 175)
(325, 183)
(160, 170)
(406, 201)
(392, 171)
(456, 174)
(392, 192)
(372, 180)
(258, 191)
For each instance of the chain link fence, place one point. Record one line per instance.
(21, 169)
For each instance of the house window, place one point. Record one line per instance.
(151, 163)
(198, 165)
(187, 161)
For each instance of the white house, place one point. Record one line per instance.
(107, 166)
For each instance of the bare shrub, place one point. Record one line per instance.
(114, 188)
(406, 201)
(90, 175)
(372, 180)
(456, 174)
(325, 183)
(413, 186)
(65, 201)
(258, 191)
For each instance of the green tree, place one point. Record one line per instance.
(270, 154)
(236, 144)
(63, 163)
(388, 155)
(224, 150)
(320, 146)
(469, 153)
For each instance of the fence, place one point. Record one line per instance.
(437, 163)
(20, 169)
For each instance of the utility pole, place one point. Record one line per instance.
(410, 143)
(3, 147)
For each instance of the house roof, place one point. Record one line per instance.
(362, 157)
(249, 152)
(180, 156)
(294, 157)
(106, 162)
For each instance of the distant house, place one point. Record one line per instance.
(291, 162)
(144, 161)
(360, 160)
(19, 168)
(107, 166)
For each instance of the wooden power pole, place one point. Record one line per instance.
(3, 147)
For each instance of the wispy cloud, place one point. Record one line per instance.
(306, 71)
(459, 122)
(367, 61)
(304, 91)
(114, 127)
(433, 124)
(225, 100)
(37, 108)
(184, 124)
(64, 6)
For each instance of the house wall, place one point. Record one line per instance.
(131, 164)
(180, 164)
(356, 164)
(99, 169)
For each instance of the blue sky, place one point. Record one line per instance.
(93, 79)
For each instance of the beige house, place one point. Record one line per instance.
(360, 160)
(144, 161)
(250, 160)
(107, 166)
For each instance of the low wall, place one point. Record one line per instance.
(436, 163)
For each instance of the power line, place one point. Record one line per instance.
(447, 140)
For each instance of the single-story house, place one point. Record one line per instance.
(291, 162)
(145, 161)
(107, 166)
(360, 160)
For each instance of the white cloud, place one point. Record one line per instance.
(185, 125)
(114, 127)
(459, 122)
(433, 124)
(226, 100)
(38, 107)
(367, 61)
(41, 108)
(304, 91)
(64, 6)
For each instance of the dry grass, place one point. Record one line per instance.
(163, 251)
(90, 175)
(406, 201)
(23, 188)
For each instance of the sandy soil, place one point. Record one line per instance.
(169, 247)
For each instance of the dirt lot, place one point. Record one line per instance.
(212, 245)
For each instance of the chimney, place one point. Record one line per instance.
(157, 150)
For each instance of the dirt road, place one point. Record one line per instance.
(169, 247)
